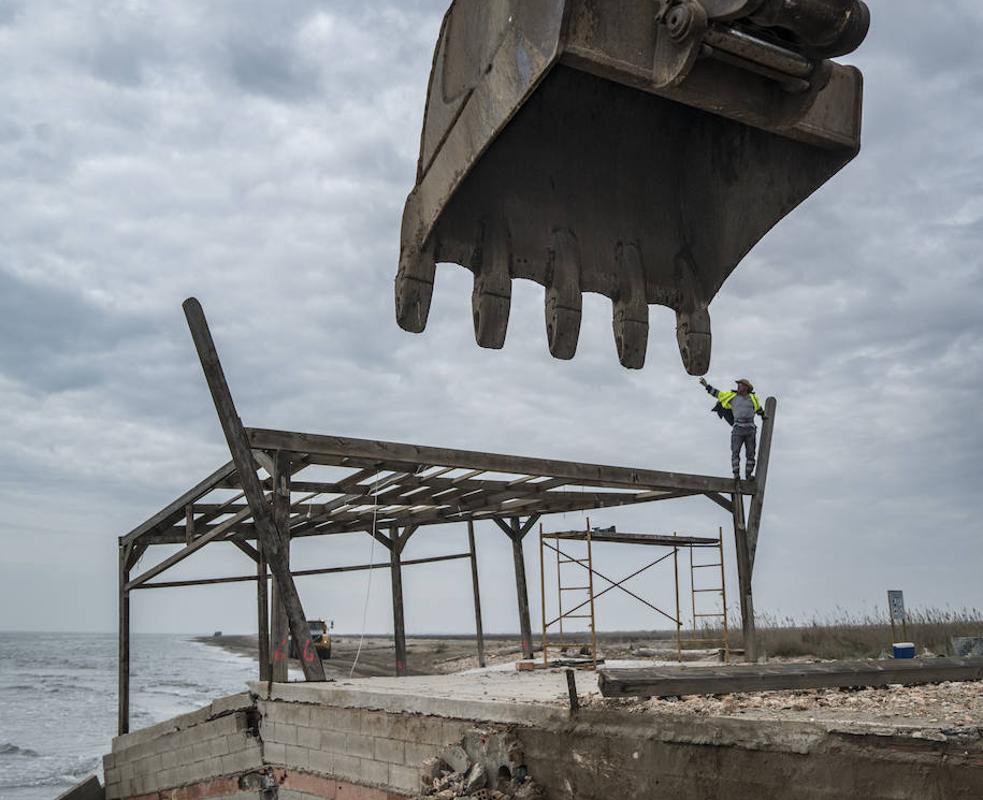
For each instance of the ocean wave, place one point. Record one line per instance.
(8, 749)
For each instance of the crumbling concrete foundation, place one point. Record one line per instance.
(366, 739)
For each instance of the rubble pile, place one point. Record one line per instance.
(944, 703)
(486, 765)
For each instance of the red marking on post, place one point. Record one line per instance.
(278, 654)
(308, 654)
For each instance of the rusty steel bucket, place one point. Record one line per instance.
(638, 149)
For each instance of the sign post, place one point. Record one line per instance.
(895, 607)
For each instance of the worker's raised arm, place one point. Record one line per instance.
(709, 388)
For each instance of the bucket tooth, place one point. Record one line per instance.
(564, 302)
(631, 310)
(694, 340)
(491, 298)
(414, 288)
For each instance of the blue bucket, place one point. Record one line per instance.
(904, 650)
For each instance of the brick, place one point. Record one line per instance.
(375, 772)
(309, 738)
(233, 702)
(201, 751)
(322, 761)
(219, 746)
(404, 778)
(333, 741)
(285, 732)
(238, 741)
(336, 719)
(168, 759)
(377, 723)
(243, 760)
(347, 767)
(361, 746)
(416, 752)
(275, 752)
(185, 755)
(389, 750)
(297, 757)
(292, 713)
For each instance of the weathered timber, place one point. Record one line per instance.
(516, 532)
(242, 457)
(123, 644)
(744, 572)
(215, 533)
(399, 624)
(280, 630)
(412, 455)
(175, 510)
(761, 477)
(299, 573)
(677, 681)
(478, 629)
(263, 619)
(656, 540)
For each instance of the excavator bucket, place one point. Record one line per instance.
(638, 149)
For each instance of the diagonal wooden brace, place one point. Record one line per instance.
(271, 540)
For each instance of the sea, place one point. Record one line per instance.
(58, 699)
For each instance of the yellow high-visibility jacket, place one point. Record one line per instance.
(725, 399)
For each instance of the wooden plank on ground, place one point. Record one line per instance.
(727, 679)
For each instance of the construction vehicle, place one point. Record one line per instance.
(637, 149)
(320, 638)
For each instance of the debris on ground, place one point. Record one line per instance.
(486, 765)
(944, 703)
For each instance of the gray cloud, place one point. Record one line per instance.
(258, 156)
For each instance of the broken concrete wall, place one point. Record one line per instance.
(318, 741)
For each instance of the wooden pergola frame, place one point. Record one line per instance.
(390, 491)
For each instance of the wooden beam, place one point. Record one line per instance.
(744, 580)
(678, 682)
(299, 573)
(721, 501)
(399, 623)
(521, 589)
(263, 619)
(242, 457)
(652, 539)
(478, 629)
(761, 478)
(123, 644)
(280, 631)
(410, 455)
(175, 510)
(187, 550)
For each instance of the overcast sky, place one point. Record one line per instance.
(257, 155)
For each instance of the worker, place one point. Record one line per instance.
(738, 408)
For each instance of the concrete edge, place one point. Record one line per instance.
(217, 708)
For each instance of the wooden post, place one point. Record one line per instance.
(521, 590)
(760, 477)
(744, 578)
(123, 723)
(266, 531)
(281, 514)
(263, 617)
(479, 631)
(399, 623)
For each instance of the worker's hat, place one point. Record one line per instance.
(746, 382)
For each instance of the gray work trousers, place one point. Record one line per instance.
(746, 437)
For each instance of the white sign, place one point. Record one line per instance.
(895, 604)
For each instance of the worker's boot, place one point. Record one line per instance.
(748, 476)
